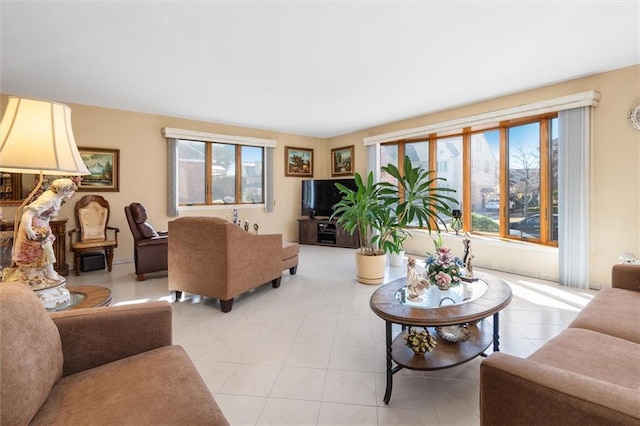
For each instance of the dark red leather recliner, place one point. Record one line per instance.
(150, 247)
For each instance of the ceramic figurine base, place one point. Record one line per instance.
(52, 293)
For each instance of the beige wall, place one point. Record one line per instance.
(615, 214)
(143, 171)
(615, 186)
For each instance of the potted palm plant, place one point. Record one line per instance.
(381, 211)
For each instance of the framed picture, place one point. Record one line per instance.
(342, 161)
(298, 161)
(104, 165)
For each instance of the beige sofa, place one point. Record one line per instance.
(587, 375)
(100, 366)
(212, 257)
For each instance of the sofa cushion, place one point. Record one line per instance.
(138, 212)
(147, 230)
(139, 215)
(593, 354)
(160, 386)
(613, 312)
(30, 353)
(289, 250)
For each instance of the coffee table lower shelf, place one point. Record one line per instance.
(445, 354)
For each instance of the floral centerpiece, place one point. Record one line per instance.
(420, 342)
(442, 268)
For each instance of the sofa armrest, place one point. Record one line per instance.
(517, 391)
(96, 336)
(626, 276)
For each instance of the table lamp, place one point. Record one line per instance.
(36, 137)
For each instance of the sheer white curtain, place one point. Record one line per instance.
(573, 192)
(372, 161)
(268, 180)
(172, 177)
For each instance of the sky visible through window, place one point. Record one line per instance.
(251, 155)
(525, 133)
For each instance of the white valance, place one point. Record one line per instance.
(170, 132)
(577, 100)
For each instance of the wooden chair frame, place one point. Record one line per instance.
(80, 245)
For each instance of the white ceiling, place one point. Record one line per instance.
(306, 67)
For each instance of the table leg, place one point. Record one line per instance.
(496, 332)
(387, 394)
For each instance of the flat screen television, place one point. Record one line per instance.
(319, 195)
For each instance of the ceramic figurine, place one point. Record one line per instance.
(468, 256)
(33, 249)
(415, 284)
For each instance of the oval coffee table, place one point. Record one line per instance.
(86, 297)
(470, 302)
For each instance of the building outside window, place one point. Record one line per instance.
(511, 175)
(211, 173)
(485, 182)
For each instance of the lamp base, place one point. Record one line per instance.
(52, 293)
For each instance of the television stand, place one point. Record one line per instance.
(325, 232)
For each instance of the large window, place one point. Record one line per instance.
(211, 173)
(449, 165)
(485, 181)
(505, 176)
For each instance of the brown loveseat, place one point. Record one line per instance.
(149, 246)
(587, 375)
(99, 366)
(212, 257)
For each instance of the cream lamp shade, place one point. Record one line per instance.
(36, 137)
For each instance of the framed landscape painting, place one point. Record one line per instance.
(298, 161)
(104, 165)
(342, 161)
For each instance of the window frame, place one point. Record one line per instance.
(172, 135)
(208, 173)
(545, 142)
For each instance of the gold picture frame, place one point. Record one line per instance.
(342, 161)
(104, 165)
(298, 162)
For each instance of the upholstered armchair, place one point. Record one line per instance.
(212, 257)
(92, 232)
(149, 246)
(113, 365)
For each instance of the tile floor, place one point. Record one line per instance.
(312, 353)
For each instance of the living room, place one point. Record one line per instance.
(614, 203)
(143, 159)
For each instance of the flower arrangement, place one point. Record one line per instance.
(443, 269)
(420, 341)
